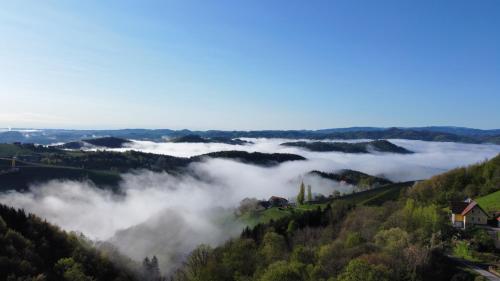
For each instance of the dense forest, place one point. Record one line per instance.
(108, 142)
(405, 239)
(256, 158)
(129, 160)
(41, 163)
(472, 181)
(32, 249)
(359, 179)
(348, 147)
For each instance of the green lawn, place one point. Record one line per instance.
(491, 202)
(376, 196)
(252, 219)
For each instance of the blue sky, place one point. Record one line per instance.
(249, 64)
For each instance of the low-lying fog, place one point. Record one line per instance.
(160, 214)
(430, 158)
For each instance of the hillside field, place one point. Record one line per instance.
(491, 202)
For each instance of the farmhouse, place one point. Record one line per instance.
(276, 201)
(467, 213)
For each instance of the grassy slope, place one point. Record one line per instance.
(491, 202)
(376, 196)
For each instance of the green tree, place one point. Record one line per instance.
(273, 247)
(300, 196)
(482, 241)
(359, 270)
(292, 227)
(71, 270)
(197, 261)
(305, 255)
(309, 194)
(462, 249)
(240, 257)
(353, 239)
(392, 240)
(150, 269)
(282, 271)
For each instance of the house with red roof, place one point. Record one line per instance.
(467, 213)
(276, 201)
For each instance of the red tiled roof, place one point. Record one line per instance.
(463, 208)
(469, 207)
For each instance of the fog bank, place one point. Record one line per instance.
(166, 215)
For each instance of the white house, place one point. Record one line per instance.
(467, 213)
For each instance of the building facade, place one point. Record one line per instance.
(467, 213)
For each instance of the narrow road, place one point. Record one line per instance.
(483, 272)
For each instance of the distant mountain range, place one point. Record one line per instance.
(433, 133)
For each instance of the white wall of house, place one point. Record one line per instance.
(476, 216)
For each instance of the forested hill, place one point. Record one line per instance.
(406, 236)
(472, 181)
(126, 161)
(449, 134)
(39, 164)
(348, 147)
(107, 142)
(32, 249)
(199, 139)
(354, 178)
(257, 158)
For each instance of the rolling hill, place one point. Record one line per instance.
(347, 147)
(432, 133)
(199, 139)
(354, 178)
(491, 202)
(32, 249)
(40, 164)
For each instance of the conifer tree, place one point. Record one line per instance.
(150, 269)
(301, 195)
(155, 269)
(309, 194)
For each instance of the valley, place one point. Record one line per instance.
(199, 194)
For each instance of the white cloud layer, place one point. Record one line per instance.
(168, 216)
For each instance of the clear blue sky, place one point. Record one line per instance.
(249, 64)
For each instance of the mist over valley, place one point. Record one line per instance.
(169, 214)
